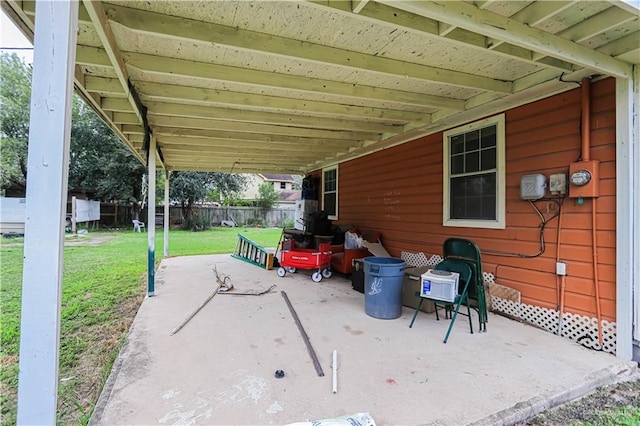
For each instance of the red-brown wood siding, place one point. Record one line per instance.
(398, 191)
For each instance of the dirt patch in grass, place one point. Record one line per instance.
(87, 240)
(80, 386)
(617, 404)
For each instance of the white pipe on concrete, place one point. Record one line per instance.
(335, 371)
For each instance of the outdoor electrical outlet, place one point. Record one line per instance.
(561, 268)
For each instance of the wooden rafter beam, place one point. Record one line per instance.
(231, 152)
(594, 26)
(382, 13)
(103, 29)
(536, 13)
(268, 129)
(176, 141)
(172, 66)
(358, 5)
(172, 93)
(188, 134)
(243, 115)
(235, 167)
(156, 23)
(471, 18)
(196, 158)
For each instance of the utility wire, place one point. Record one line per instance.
(543, 225)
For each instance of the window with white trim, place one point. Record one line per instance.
(330, 192)
(473, 172)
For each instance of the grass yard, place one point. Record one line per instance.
(103, 285)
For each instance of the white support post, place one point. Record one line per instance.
(627, 211)
(74, 224)
(166, 213)
(48, 170)
(636, 208)
(151, 218)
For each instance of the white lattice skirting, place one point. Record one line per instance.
(579, 328)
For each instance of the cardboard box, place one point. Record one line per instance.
(411, 285)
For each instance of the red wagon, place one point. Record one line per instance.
(293, 258)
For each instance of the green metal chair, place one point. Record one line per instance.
(468, 251)
(462, 268)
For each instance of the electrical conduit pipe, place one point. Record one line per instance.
(586, 146)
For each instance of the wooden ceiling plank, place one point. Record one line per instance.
(196, 158)
(116, 104)
(228, 167)
(215, 113)
(92, 56)
(270, 129)
(489, 24)
(382, 13)
(103, 85)
(132, 129)
(221, 142)
(536, 13)
(189, 134)
(173, 66)
(151, 22)
(594, 26)
(125, 118)
(621, 45)
(292, 155)
(597, 24)
(170, 92)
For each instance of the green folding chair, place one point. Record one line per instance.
(468, 251)
(462, 268)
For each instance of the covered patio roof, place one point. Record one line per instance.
(292, 86)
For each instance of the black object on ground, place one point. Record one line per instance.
(314, 357)
(279, 374)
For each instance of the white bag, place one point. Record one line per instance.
(352, 240)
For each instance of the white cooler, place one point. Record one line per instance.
(439, 285)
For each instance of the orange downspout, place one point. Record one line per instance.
(586, 144)
(595, 270)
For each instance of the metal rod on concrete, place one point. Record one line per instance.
(193, 314)
(314, 357)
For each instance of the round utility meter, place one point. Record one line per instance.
(580, 177)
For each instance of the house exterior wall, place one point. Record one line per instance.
(398, 191)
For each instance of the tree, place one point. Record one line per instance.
(188, 188)
(100, 164)
(267, 196)
(15, 97)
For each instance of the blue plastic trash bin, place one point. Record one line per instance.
(383, 279)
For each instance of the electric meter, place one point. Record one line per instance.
(580, 177)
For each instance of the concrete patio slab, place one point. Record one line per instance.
(219, 368)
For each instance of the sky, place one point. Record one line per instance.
(10, 36)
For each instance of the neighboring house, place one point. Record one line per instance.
(282, 184)
(466, 182)
(12, 215)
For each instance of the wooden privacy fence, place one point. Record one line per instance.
(240, 215)
(119, 214)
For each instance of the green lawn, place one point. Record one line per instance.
(103, 286)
